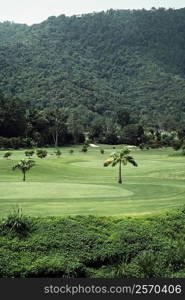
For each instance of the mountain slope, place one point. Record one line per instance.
(129, 59)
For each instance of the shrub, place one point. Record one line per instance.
(124, 270)
(42, 153)
(176, 255)
(16, 143)
(56, 265)
(84, 149)
(16, 222)
(7, 154)
(71, 151)
(102, 151)
(29, 153)
(147, 261)
(58, 153)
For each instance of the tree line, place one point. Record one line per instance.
(22, 126)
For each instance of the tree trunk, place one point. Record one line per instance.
(56, 139)
(24, 177)
(120, 178)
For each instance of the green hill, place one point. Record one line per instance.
(133, 60)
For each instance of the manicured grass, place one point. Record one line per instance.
(79, 184)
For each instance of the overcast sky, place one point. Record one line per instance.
(36, 11)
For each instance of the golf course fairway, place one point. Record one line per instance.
(78, 184)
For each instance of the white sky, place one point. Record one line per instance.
(36, 11)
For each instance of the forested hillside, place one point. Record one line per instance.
(100, 62)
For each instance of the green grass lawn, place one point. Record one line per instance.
(79, 184)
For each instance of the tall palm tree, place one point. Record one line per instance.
(121, 157)
(24, 166)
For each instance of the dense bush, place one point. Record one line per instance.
(29, 153)
(58, 153)
(95, 247)
(84, 148)
(7, 154)
(15, 143)
(16, 222)
(41, 153)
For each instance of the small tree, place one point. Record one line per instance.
(84, 149)
(29, 153)
(42, 153)
(120, 158)
(24, 166)
(58, 153)
(7, 154)
(102, 151)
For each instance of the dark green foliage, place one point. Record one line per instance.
(58, 153)
(16, 222)
(102, 151)
(143, 79)
(177, 145)
(15, 142)
(95, 247)
(133, 135)
(41, 153)
(84, 148)
(7, 154)
(12, 117)
(71, 151)
(29, 153)
(110, 138)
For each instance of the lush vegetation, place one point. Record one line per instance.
(92, 246)
(24, 127)
(98, 64)
(109, 78)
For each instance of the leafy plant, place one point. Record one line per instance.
(149, 264)
(84, 149)
(29, 153)
(41, 153)
(24, 166)
(58, 153)
(7, 154)
(16, 222)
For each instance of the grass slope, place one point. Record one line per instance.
(79, 184)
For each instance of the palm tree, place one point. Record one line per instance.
(24, 166)
(121, 157)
